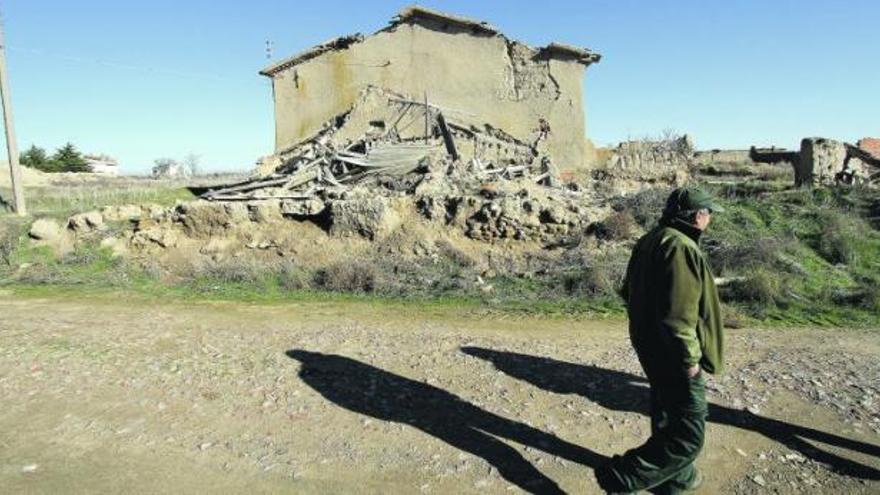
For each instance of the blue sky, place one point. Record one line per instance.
(143, 80)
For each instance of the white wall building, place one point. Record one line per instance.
(103, 164)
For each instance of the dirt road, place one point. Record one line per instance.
(126, 395)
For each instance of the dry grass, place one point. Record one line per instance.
(355, 276)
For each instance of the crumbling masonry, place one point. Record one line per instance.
(478, 77)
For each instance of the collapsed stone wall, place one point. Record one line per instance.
(499, 82)
(825, 161)
(820, 160)
(507, 211)
(377, 113)
(634, 165)
(505, 221)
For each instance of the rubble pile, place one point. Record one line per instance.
(517, 210)
(634, 164)
(418, 140)
(479, 178)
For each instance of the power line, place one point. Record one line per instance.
(125, 66)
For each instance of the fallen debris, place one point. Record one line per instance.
(329, 164)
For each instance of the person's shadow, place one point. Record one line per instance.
(368, 390)
(622, 391)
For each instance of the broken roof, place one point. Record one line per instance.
(414, 14)
(339, 43)
(582, 55)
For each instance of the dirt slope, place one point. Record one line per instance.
(144, 397)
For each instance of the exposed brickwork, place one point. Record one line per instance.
(871, 145)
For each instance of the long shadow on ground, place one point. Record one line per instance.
(368, 390)
(622, 391)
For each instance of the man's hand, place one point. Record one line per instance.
(693, 371)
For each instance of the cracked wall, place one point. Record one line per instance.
(480, 80)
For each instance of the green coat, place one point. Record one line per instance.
(672, 301)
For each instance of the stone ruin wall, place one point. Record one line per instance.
(634, 165)
(827, 161)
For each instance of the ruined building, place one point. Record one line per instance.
(500, 95)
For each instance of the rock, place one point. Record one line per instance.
(302, 208)
(115, 245)
(162, 237)
(204, 219)
(30, 468)
(759, 480)
(369, 216)
(85, 222)
(554, 214)
(156, 212)
(265, 211)
(121, 213)
(48, 232)
(45, 229)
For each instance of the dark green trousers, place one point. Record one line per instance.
(663, 464)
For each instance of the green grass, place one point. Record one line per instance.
(90, 271)
(798, 257)
(817, 243)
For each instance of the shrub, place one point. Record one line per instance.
(600, 275)
(749, 253)
(838, 236)
(353, 276)
(760, 286)
(458, 257)
(10, 235)
(866, 295)
(232, 270)
(618, 226)
(81, 257)
(645, 207)
(590, 281)
(41, 274)
(293, 278)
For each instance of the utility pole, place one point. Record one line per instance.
(11, 144)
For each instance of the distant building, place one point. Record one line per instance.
(102, 164)
(166, 168)
(455, 62)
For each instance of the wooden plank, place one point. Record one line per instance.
(247, 187)
(262, 198)
(328, 177)
(397, 120)
(301, 178)
(351, 161)
(432, 105)
(447, 136)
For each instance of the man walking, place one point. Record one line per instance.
(675, 328)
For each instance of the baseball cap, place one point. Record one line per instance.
(690, 199)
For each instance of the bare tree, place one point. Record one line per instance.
(191, 164)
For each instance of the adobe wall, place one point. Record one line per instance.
(488, 78)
